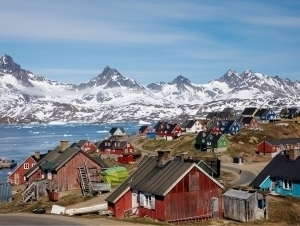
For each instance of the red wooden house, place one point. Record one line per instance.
(121, 151)
(168, 190)
(272, 146)
(249, 122)
(85, 145)
(60, 167)
(144, 130)
(17, 176)
(214, 127)
(168, 131)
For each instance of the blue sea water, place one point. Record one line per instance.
(17, 142)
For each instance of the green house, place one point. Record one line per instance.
(216, 143)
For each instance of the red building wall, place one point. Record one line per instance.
(180, 203)
(88, 147)
(66, 179)
(17, 177)
(123, 204)
(265, 147)
(147, 130)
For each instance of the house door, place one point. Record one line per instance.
(17, 178)
(215, 207)
(135, 203)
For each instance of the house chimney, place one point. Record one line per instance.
(64, 144)
(293, 154)
(184, 155)
(37, 155)
(163, 157)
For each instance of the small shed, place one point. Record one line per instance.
(5, 193)
(244, 206)
(151, 135)
(238, 160)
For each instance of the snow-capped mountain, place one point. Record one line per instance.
(26, 97)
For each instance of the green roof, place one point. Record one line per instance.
(48, 165)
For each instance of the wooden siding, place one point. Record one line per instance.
(144, 133)
(181, 203)
(265, 147)
(66, 179)
(17, 177)
(88, 147)
(122, 205)
(243, 210)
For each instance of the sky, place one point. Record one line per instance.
(72, 41)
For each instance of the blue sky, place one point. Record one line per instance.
(150, 41)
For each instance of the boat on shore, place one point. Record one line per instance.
(7, 163)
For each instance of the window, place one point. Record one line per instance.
(26, 165)
(287, 184)
(147, 201)
(49, 175)
(32, 165)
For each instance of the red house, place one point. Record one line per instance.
(118, 150)
(17, 176)
(85, 145)
(272, 146)
(214, 127)
(144, 130)
(168, 190)
(249, 122)
(168, 131)
(60, 167)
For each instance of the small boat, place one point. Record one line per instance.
(6, 163)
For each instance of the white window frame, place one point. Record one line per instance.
(147, 200)
(287, 184)
(26, 165)
(33, 164)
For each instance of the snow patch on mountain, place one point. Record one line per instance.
(27, 97)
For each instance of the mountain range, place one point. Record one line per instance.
(111, 97)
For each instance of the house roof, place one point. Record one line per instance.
(238, 194)
(143, 128)
(114, 129)
(79, 144)
(280, 166)
(211, 114)
(158, 125)
(100, 162)
(217, 137)
(202, 135)
(284, 141)
(262, 112)
(41, 156)
(223, 115)
(154, 179)
(213, 124)
(55, 159)
(188, 124)
(228, 109)
(247, 120)
(118, 144)
(249, 111)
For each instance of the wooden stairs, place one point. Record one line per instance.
(85, 182)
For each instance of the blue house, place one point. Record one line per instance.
(230, 126)
(265, 114)
(281, 175)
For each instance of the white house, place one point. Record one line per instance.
(192, 126)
